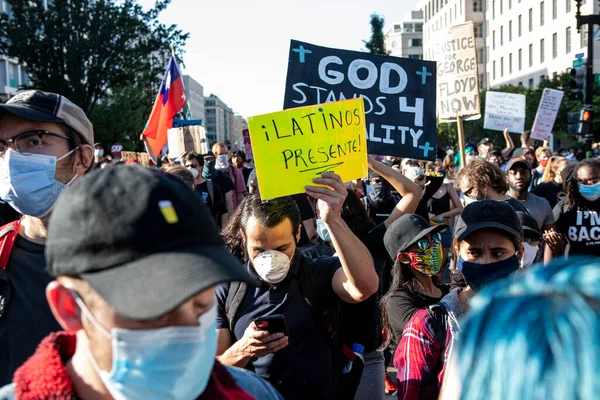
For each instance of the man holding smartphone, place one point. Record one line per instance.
(265, 235)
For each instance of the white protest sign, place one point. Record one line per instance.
(457, 81)
(504, 110)
(546, 114)
(186, 139)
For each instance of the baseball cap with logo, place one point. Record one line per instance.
(35, 105)
(140, 238)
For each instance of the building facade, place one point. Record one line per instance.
(529, 41)
(236, 139)
(195, 97)
(440, 15)
(12, 74)
(405, 38)
(219, 120)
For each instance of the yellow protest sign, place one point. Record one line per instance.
(294, 146)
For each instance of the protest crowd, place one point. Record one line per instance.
(458, 272)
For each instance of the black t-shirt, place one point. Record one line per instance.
(403, 304)
(27, 317)
(580, 228)
(303, 369)
(216, 205)
(379, 211)
(551, 191)
(222, 180)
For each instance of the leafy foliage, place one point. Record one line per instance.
(376, 44)
(106, 56)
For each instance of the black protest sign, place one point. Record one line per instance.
(399, 94)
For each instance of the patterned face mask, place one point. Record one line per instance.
(428, 261)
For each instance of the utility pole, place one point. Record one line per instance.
(590, 21)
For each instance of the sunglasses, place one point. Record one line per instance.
(424, 243)
(192, 165)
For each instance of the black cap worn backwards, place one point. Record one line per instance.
(487, 214)
(140, 238)
(406, 231)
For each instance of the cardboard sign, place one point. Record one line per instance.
(142, 158)
(399, 94)
(457, 81)
(292, 147)
(504, 110)
(186, 139)
(546, 114)
(247, 144)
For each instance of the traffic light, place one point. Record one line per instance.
(577, 83)
(586, 119)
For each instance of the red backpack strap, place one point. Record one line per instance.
(8, 235)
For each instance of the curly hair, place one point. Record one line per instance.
(480, 173)
(572, 196)
(268, 213)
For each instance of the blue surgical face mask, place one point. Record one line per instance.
(27, 182)
(322, 231)
(480, 275)
(166, 363)
(590, 192)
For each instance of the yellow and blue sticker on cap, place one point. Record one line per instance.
(168, 211)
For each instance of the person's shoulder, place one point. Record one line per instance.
(560, 207)
(254, 385)
(7, 392)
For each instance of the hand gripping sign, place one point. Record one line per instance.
(294, 146)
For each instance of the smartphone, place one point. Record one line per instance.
(273, 324)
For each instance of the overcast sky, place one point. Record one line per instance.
(238, 49)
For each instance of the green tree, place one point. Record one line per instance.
(376, 44)
(88, 50)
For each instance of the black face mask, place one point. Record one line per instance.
(208, 170)
(380, 192)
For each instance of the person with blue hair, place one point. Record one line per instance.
(532, 338)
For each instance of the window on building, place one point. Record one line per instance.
(418, 27)
(542, 13)
(554, 45)
(520, 59)
(394, 44)
(415, 42)
(542, 78)
(501, 10)
(494, 70)
(583, 36)
(530, 83)
(481, 82)
(397, 28)
(408, 28)
(568, 6)
(502, 36)
(477, 5)
(24, 77)
(520, 27)
(531, 55)
(480, 59)
(554, 75)
(455, 10)
(510, 31)
(509, 4)
(530, 19)
(13, 75)
(501, 67)
(542, 56)
(415, 56)
(478, 28)
(3, 73)
(521, 84)
(510, 63)
(568, 40)
(493, 40)
(554, 9)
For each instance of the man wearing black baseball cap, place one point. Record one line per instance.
(488, 247)
(135, 295)
(46, 145)
(486, 145)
